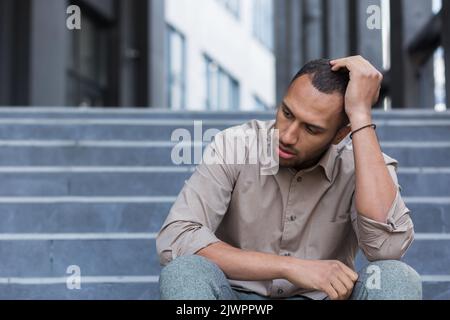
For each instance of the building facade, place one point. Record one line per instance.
(220, 54)
(214, 54)
(205, 54)
(114, 60)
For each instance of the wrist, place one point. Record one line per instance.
(360, 120)
(286, 266)
(289, 266)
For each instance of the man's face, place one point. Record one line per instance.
(308, 121)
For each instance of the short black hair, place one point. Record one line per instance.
(323, 78)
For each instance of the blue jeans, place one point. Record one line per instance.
(197, 278)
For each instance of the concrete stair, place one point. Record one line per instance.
(92, 187)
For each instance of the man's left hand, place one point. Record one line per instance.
(363, 89)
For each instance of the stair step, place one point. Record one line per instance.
(58, 113)
(108, 258)
(82, 217)
(88, 291)
(426, 184)
(419, 256)
(73, 217)
(430, 257)
(51, 258)
(93, 184)
(166, 181)
(140, 291)
(111, 254)
(159, 154)
(430, 218)
(154, 129)
(420, 156)
(436, 290)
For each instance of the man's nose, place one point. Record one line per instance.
(291, 135)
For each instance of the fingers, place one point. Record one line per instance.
(348, 283)
(335, 279)
(352, 63)
(349, 272)
(349, 59)
(343, 281)
(331, 292)
(340, 288)
(338, 64)
(346, 62)
(340, 282)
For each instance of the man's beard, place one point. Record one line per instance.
(302, 164)
(290, 163)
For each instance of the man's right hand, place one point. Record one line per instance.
(332, 277)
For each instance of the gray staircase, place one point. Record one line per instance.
(92, 187)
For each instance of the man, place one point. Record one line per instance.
(234, 233)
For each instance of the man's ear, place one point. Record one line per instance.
(341, 134)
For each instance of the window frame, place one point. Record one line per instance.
(171, 30)
(233, 87)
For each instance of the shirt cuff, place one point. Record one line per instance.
(374, 233)
(192, 242)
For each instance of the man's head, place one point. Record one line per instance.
(311, 116)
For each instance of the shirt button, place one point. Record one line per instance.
(299, 179)
(293, 218)
(280, 291)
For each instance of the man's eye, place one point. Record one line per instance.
(310, 130)
(287, 114)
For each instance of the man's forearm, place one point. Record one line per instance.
(332, 277)
(375, 189)
(243, 265)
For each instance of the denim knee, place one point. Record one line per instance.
(389, 279)
(188, 267)
(193, 277)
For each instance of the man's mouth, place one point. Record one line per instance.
(283, 153)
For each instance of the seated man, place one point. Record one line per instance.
(234, 233)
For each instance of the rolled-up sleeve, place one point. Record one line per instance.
(199, 208)
(385, 241)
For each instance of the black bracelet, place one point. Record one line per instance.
(374, 126)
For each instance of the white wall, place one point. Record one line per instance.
(209, 28)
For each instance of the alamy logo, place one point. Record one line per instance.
(235, 146)
(73, 281)
(374, 19)
(374, 280)
(73, 21)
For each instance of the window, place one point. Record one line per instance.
(176, 69)
(232, 5)
(88, 78)
(263, 22)
(439, 79)
(221, 88)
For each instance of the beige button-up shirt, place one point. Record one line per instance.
(309, 214)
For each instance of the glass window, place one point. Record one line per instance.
(439, 80)
(176, 69)
(222, 90)
(88, 65)
(263, 22)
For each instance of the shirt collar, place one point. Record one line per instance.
(327, 162)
